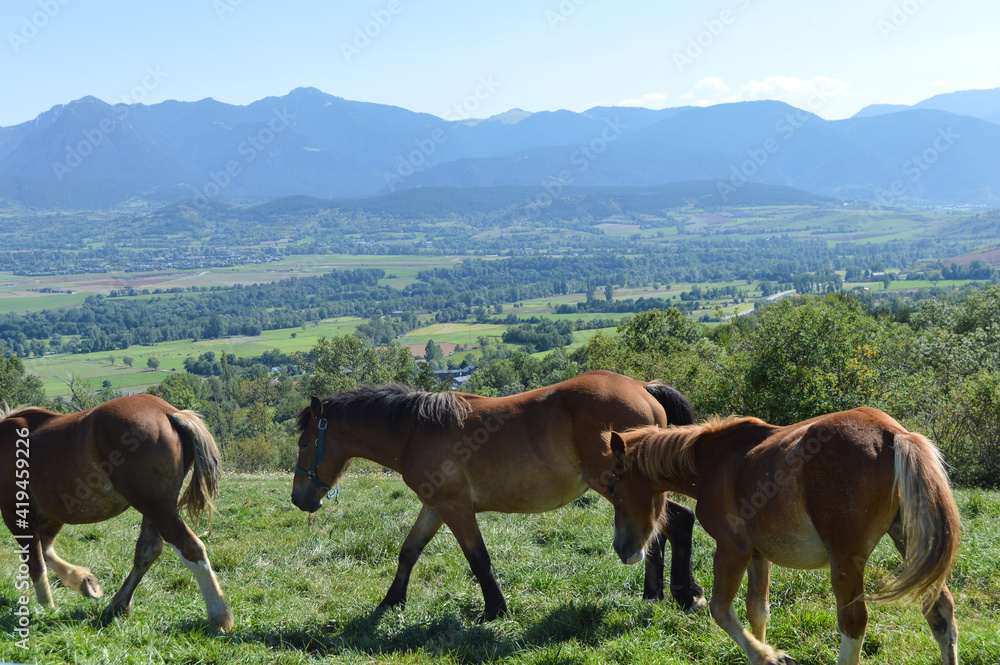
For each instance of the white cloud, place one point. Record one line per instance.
(708, 91)
(648, 100)
(811, 94)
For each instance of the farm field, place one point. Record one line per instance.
(304, 590)
(16, 294)
(96, 368)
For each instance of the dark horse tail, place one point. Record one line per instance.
(204, 485)
(677, 406)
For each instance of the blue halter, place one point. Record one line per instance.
(331, 492)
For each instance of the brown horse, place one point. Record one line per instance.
(91, 466)
(465, 454)
(819, 493)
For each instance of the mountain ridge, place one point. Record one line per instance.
(311, 143)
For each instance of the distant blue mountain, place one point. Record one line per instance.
(982, 104)
(314, 144)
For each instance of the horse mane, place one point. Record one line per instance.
(391, 403)
(7, 411)
(669, 452)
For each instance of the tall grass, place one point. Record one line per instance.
(304, 590)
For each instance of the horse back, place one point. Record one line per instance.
(804, 482)
(89, 466)
(538, 450)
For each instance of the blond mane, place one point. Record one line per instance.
(669, 452)
(6, 411)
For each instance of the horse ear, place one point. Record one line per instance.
(315, 407)
(617, 445)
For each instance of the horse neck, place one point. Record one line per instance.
(382, 443)
(716, 448)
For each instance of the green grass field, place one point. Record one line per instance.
(16, 294)
(303, 590)
(95, 366)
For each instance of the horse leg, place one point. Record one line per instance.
(465, 528)
(73, 577)
(655, 553)
(29, 544)
(847, 573)
(729, 566)
(192, 552)
(758, 595)
(941, 615)
(679, 530)
(427, 524)
(147, 550)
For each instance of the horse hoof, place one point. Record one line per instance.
(495, 613)
(388, 603)
(225, 621)
(112, 611)
(696, 605)
(91, 588)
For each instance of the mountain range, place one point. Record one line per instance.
(91, 154)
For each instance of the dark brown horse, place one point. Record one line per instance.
(91, 466)
(465, 454)
(819, 493)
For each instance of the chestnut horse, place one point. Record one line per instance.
(91, 466)
(819, 493)
(465, 454)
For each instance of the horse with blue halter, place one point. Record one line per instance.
(820, 493)
(465, 454)
(90, 466)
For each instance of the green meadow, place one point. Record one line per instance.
(304, 590)
(97, 368)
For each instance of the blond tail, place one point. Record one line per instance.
(930, 520)
(204, 485)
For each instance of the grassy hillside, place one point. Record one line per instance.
(304, 590)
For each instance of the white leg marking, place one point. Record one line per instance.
(850, 650)
(42, 591)
(218, 610)
(72, 576)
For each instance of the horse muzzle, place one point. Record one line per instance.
(309, 504)
(628, 554)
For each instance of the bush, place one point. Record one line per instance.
(247, 455)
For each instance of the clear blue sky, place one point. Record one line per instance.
(430, 55)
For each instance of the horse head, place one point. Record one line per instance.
(635, 501)
(322, 459)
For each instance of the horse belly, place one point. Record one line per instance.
(790, 541)
(86, 504)
(528, 492)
